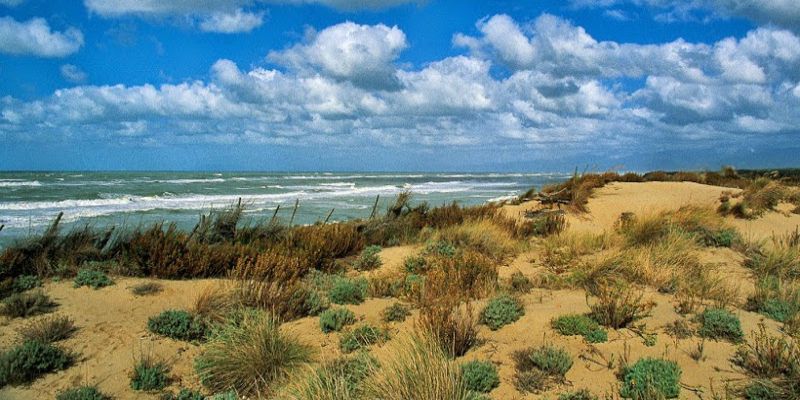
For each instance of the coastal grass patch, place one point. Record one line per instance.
(92, 278)
(776, 299)
(780, 258)
(772, 362)
(582, 325)
(251, 355)
(651, 378)
(348, 290)
(362, 337)
(146, 288)
(178, 324)
(26, 362)
(27, 304)
(501, 310)
(397, 312)
(484, 236)
(537, 368)
(449, 324)
(333, 320)
(149, 374)
(717, 323)
(341, 378)
(85, 392)
(581, 394)
(617, 306)
(480, 376)
(49, 329)
(369, 259)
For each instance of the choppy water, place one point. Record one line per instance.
(30, 200)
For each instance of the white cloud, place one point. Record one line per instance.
(235, 22)
(73, 74)
(34, 37)
(11, 3)
(361, 54)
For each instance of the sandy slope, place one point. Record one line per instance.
(113, 322)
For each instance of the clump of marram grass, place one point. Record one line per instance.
(348, 291)
(418, 369)
(26, 362)
(578, 324)
(341, 378)
(149, 374)
(146, 288)
(483, 236)
(48, 329)
(361, 337)
(333, 320)
(26, 304)
(450, 325)
(85, 392)
(178, 324)
(774, 362)
(651, 378)
(775, 299)
(397, 312)
(716, 323)
(250, 355)
(617, 306)
(369, 259)
(780, 259)
(93, 278)
(519, 283)
(679, 329)
(500, 311)
(480, 376)
(539, 367)
(582, 394)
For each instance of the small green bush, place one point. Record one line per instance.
(397, 312)
(177, 324)
(718, 323)
(31, 359)
(583, 325)
(362, 336)
(650, 376)
(761, 389)
(369, 259)
(348, 291)
(335, 319)
(440, 248)
(48, 329)
(92, 278)
(184, 394)
(414, 264)
(26, 304)
(480, 376)
(582, 394)
(721, 238)
(538, 367)
(26, 282)
(501, 311)
(149, 375)
(315, 302)
(83, 393)
(520, 283)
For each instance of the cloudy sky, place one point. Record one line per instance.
(399, 84)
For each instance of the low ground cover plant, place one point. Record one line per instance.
(361, 337)
(92, 278)
(26, 304)
(500, 311)
(651, 378)
(538, 367)
(716, 323)
(83, 393)
(579, 324)
(397, 312)
(480, 376)
(369, 259)
(26, 362)
(178, 324)
(333, 320)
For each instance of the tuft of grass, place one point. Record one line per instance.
(348, 291)
(651, 378)
(480, 376)
(582, 394)
(149, 374)
(484, 236)
(213, 304)
(500, 311)
(184, 394)
(23, 305)
(83, 393)
(519, 283)
(177, 324)
(48, 330)
(716, 323)
(250, 355)
(418, 369)
(617, 306)
(341, 378)
(453, 327)
(397, 312)
(361, 337)
(679, 329)
(538, 367)
(146, 288)
(578, 324)
(781, 259)
(26, 362)
(333, 320)
(775, 299)
(369, 259)
(767, 356)
(92, 278)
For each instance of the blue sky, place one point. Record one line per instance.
(399, 85)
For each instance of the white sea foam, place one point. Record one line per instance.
(18, 183)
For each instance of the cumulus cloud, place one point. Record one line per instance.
(235, 22)
(34, 37)
(361, 54)
(73, 74)
(557, 85)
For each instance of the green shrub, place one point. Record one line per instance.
(501, 311)
(250, 355)
(48, 330)
(26, 282)
(519, 283)
(720, 238)
(397, 312)
(718, 323)
(583, 394)
(23, 305)
(314, 302)
(583, 325)
(83, 393)
(92, 278)
(31, 359)
(362, 336)
(414, 264)
(537, 367)
(177, 324)
(480, 376)
(650, 376)
(369, 259)
(775, 299)
(184, 394)
(761, 390)
(440, 248)
(335, 319)
(149, 375)
(348, 291)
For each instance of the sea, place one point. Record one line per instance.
(29, 201)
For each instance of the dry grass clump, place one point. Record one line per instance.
(774, 362)
(147, 288)
(453, 327)
(780, 259)
(339, 379)
(23, 305)
(418, 369)
(48, 329)
(618, 305)
(250, 355)
(701, 224)
(213, 303)
(560, 253)
(483, 236)
(760, 196)
(537, 368)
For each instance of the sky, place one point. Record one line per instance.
(399, 85)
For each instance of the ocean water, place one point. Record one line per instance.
(30, 200)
